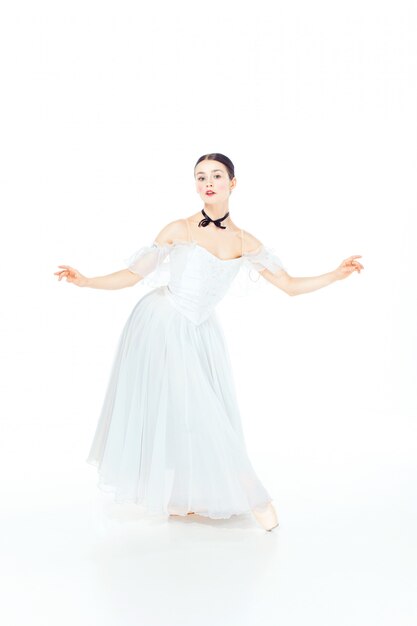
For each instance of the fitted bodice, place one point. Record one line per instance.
(198, 280)
(194, 279)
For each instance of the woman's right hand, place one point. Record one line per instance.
(72, 275)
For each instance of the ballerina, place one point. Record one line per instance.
(169, 436)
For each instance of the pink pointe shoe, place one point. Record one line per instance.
(180, 515)
(266, 517)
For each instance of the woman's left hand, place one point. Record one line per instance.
(348, 266)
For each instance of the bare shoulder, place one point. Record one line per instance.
(175, 230)
(250, 242)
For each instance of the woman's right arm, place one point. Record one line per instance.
(145, 261)
(116, 280)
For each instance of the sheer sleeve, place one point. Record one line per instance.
(152, 263)
(249, 276)
(264, 258)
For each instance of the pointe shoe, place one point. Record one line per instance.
(266, 517)
(179, 514)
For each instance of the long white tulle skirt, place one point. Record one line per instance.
(169, 436)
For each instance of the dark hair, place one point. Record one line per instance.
(216, 156)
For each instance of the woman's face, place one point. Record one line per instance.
(212, 176)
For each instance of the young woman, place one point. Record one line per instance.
(169, 436)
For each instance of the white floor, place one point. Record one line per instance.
(341, 556)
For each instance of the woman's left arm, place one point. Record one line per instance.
(296, 285)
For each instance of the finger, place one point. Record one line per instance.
(67, 267)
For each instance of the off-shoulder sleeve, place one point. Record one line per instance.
(248, 278)
(264, 258)
(151, 263)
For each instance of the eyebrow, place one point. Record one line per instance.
(211, 170)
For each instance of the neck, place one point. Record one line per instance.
(216, 211)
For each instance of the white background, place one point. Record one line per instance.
(105, 109)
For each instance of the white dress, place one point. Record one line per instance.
(169, 437)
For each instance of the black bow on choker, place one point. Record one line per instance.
(207, 219)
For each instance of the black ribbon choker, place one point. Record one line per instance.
(207, 219)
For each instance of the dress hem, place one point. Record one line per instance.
(111, 490)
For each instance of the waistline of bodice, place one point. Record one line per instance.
(196, 313)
